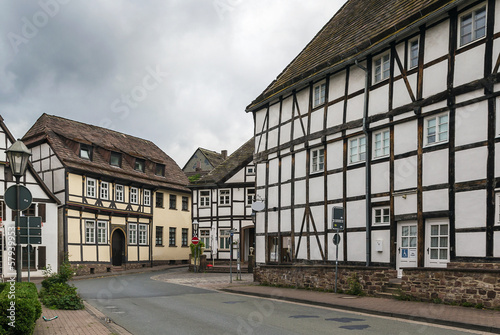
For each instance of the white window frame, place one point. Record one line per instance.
(147, 198)
(205, 238)
(225, 239)
(204, 199)
(385, 143)
(476, 32)
(102, 232)
(319, 94)
(438, 131)
(143, 234)
(134, 195)
(381, 216)
(250, 196)
(250, 170)
(413, 60)
(437, 243)
(104, 190)
(358, 155)
(91, 187)
(381, 67)
(132, 233)
(317, 160)
(225, 197)
(90, 231)
(119, 192)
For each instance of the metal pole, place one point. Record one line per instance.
(195, 252)
(29, 249)
(19, 277)
(336, 263)
(231, 258)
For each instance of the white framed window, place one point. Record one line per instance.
(472, 25)
(132, 233)
(436, 129)
(204, 198)
(91, 187)
(414, 46)
(147, 198)
(104, 190)
(119, 193)
(250, 196)
(205, 237)
(319, 94)
(134, 195)
(497, 209)
(250, 170)
(224, 239)
(89, 231)
(381, 143)
(224, 197)
(381, 216)
(102, 232)
(437, 243)
(317, 160)
(357, 149)
(143, 234)
(381, 67)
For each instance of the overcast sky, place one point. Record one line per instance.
(177, 72)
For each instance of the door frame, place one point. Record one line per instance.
(410, 254)
(124, 246)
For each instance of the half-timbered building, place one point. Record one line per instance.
(44, 205)
(202, 162)
(125, 202)
(222, 202)
(391, 113)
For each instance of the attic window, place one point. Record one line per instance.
(116, 159)
(139, 164)
(85, 152)
(160, 170)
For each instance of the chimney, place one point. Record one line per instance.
(224, 154)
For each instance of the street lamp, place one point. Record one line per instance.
(253, 216)
(18, 155)
(195, 249)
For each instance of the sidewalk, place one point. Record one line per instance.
(91, 321)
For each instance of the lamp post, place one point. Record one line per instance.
(195, 233)
(18, 155)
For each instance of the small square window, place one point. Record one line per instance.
(436, 129)
(250, 170)
(140, 165)
(381, 216)
(160, 170)
(224, 197)
(85, 152)
(204, 198)
(115, 159)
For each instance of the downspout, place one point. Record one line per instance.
(368, 174)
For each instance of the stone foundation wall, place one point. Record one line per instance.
(91, 268)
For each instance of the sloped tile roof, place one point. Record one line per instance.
(356, 27)
(215, 158)
(64, 135)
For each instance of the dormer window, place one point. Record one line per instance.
(116, 159)
(139, 165)
(85, 152)
(160, 170)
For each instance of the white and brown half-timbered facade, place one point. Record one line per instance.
(123, 198)
(391, 112)
(222, 202)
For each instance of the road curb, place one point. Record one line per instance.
(114, 328)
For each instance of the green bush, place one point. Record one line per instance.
(61, 296)
(355, 287)
(19, 308)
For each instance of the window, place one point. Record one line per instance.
(89, 231)
(185, 203)
(319, 92)
(160, 170)
(85, 152)
(473, 25)
(184, 237)
(439, 242)
(115, 159)
(102, 236)
(139, 165)
(251, 170)
(381, 144)
(204, 198)
(224, 239)
(90, 188)
(134, 195)
(30, 211)
(381, 67)
(497, 206)
(25, 258)
(159, 200)
(224, 197)
(357, 149)
(205, 237)
(250, 196)
(147, 198)
(172, 201)
(119, 193)
(143, 234)
(414, 50)
(171, 237)
(381, 216)
(159, 235)
(104, 190)
(132, 233)
(436, 129)
(318, 160)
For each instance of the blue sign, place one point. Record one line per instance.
(404, 253)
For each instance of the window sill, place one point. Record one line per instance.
(159, 245)
(172, 246)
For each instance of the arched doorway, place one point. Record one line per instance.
(118, 247)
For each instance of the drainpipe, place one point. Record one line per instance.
(368, 174)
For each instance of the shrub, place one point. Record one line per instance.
(355, 287)
(19, 308)
(61, 296)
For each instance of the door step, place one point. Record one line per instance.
(390, 289)
(117, 268)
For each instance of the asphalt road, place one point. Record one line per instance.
(146, 306)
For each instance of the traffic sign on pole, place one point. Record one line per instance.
(25, 197)
(195, 240)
